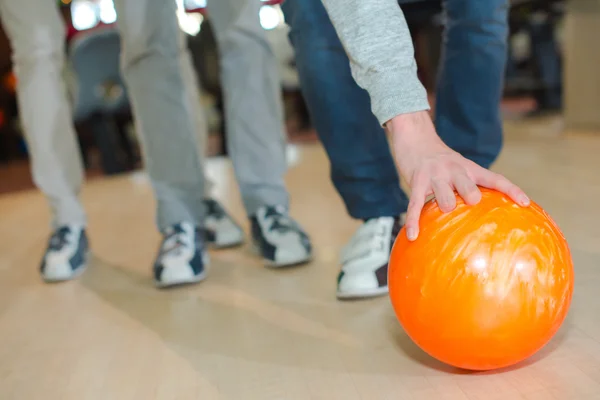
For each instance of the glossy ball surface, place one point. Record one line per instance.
(484, 286)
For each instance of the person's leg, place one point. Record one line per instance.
(221, 230)
(547, 59)
(192, 91)
(36, 33)
(471, 80)
(255, 130)
(362, 167)
(152, 68)
(253, 107)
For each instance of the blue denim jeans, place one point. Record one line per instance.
(467, 108)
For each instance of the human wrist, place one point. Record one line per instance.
(411, 127)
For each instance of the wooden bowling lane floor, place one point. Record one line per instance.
(253, 333)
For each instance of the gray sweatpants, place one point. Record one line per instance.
(253, 104)
(161, 83)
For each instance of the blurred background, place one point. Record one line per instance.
(533, 85)
(256, 333)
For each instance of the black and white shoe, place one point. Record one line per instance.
(220, 229)
(278, 238)
(67, 254)
(181, 259)
(365, 259)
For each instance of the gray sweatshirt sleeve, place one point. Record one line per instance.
(376, 37)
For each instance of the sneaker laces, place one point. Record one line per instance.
(59, 238)
(281, 222)
(370, 236)
(175, 238)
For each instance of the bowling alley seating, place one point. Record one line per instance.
(101, 105)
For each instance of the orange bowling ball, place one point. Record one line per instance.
(484, 286)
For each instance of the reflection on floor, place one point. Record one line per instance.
(253, 333)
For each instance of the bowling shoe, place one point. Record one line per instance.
(278, 238)
(181, 258)
(220, 229)
(66, 255)
(365, 259)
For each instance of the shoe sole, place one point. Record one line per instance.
(223, 246)
(255, 249)
(362, 295)
(288, 264)
(183, 282)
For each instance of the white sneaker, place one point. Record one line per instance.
(66, 255)
(279, 239)
(365, 259)
(181, 259)
(220, 229)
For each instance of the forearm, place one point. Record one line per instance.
(378, 42)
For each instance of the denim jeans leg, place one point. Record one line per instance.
(471, 80)
(362, 167)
